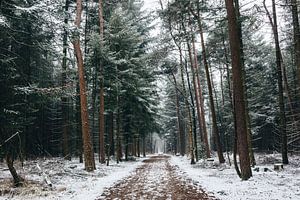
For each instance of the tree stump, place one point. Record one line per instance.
(278, 166)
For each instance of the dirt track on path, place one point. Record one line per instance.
(156, 179)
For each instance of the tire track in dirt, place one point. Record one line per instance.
(156, 179)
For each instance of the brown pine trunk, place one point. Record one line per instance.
(238, 92)
(101, 110)
(196, 97)
(197, 87)
(202, 120)
(248, 120)
(64, 99)
(89, 160)
(282, 128)
(190, 123)
(211, 98)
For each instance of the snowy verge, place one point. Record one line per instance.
(69, 179)
(223, 182)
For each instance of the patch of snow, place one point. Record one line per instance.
(3, 21)
(70, 180)
(223, 182)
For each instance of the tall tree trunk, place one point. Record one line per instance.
(187, 108)
(203, 120)
(138, 146)
(190, 125)
(192, 99)
(144, 145)
(94, 75)
(231, 106)
(193, 137)
(178, 115)
(126, 140)
(118, 142)
(18, 180)
(118, 125)
(296, 30)
(210, 92)
(282, 128)
(200, 107)
(79, 144)
(64, 99)
(238, 92)
(248, 120)
(201, 102)
(284, 150)
(89, 160)
(101, 110)
(111, 134)
(86, 28)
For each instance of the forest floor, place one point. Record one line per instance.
(156, 179)
(265, 184)
(69, 179)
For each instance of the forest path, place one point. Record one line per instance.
(156, 179)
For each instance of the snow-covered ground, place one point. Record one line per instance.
(69, 179)
(223, 182)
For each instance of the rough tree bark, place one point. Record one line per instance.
(248, 120)
(89, 160)
(101, 110)
(238, 92)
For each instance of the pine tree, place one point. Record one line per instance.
(282, 116)
(101, 110)
(238, 92)
(89, 160)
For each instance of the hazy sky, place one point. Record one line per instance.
(151, 4)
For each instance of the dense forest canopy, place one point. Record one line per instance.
(85, 77)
